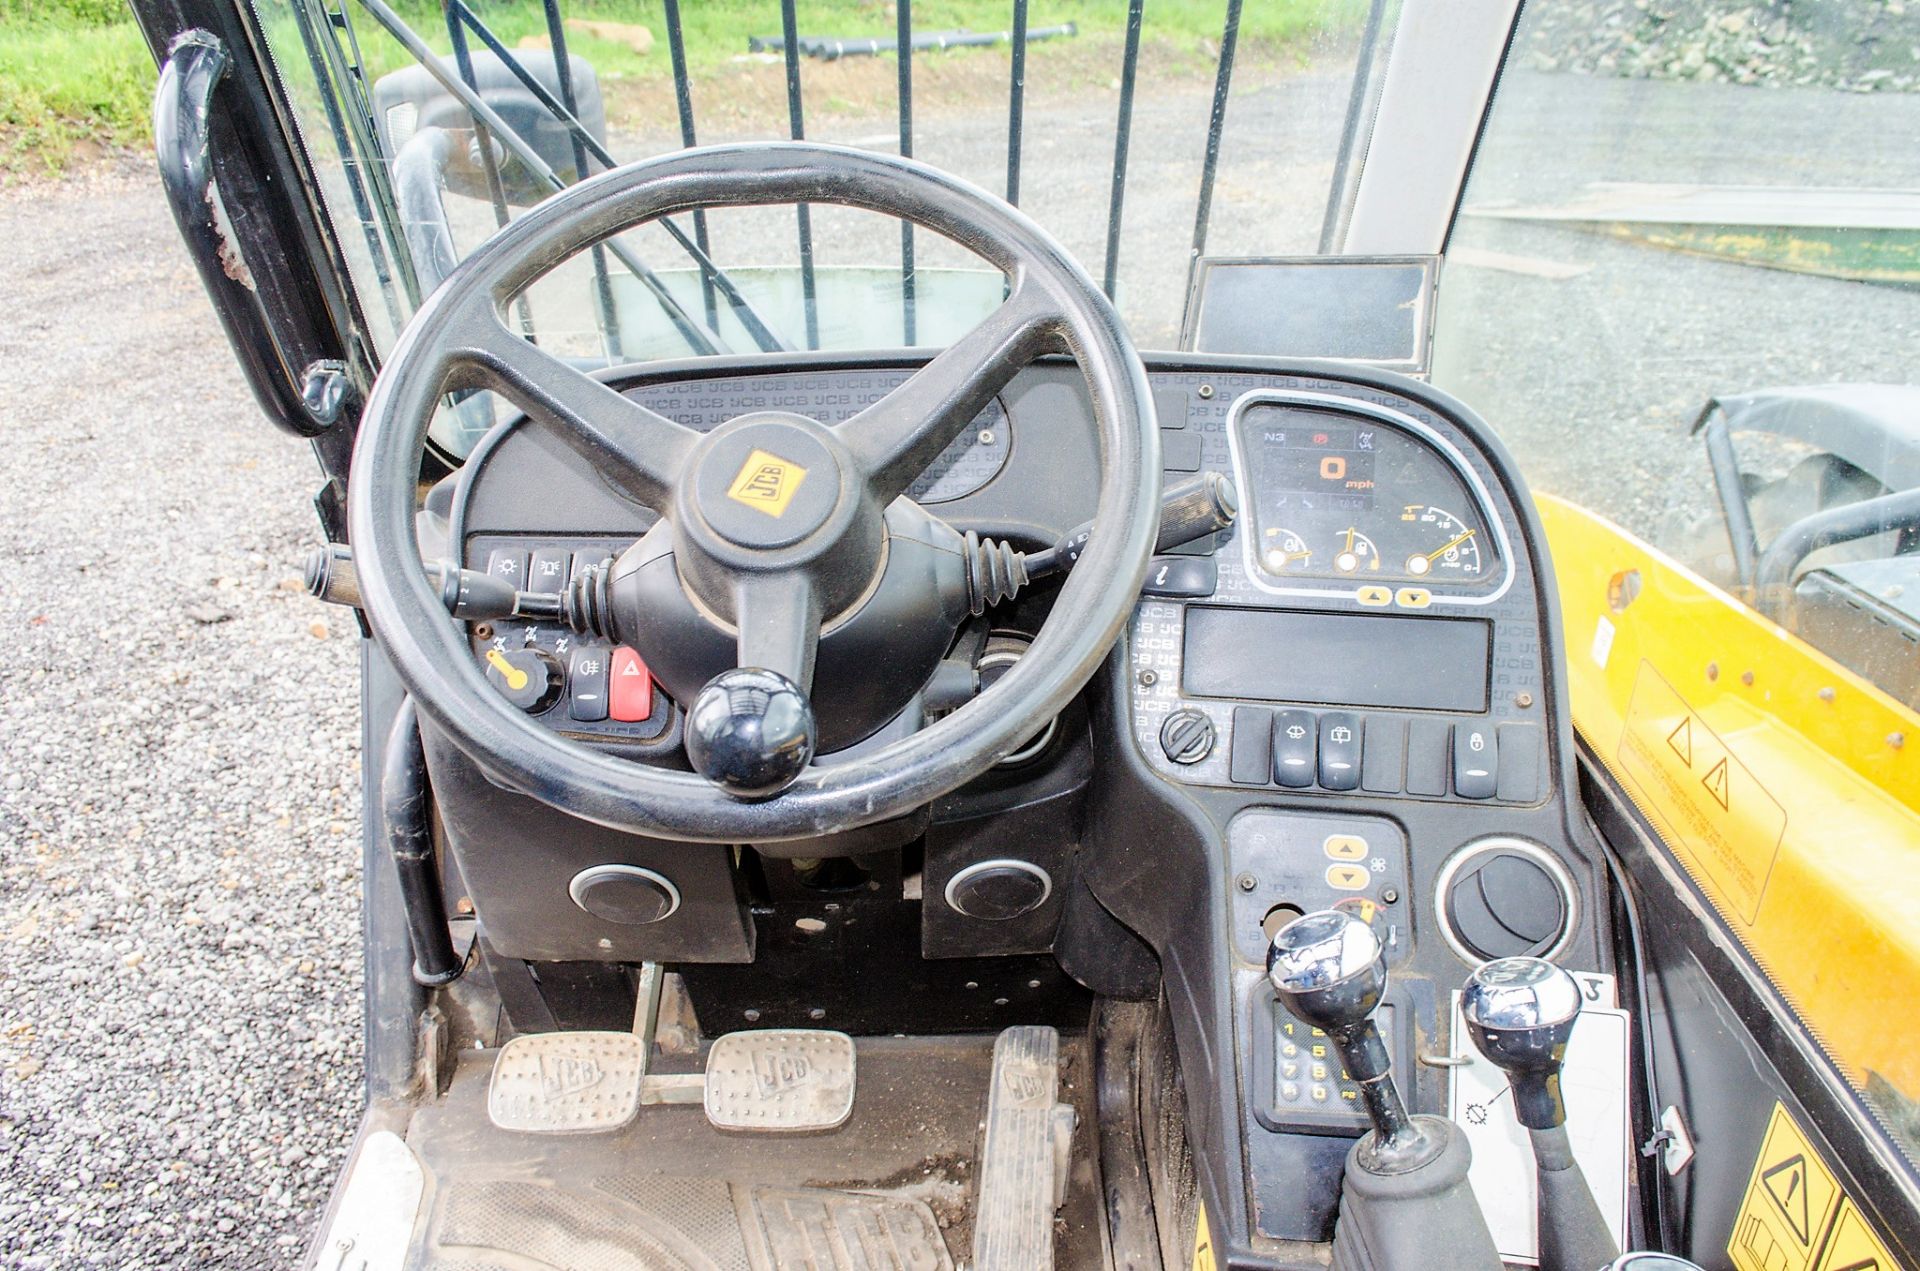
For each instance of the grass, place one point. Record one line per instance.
(76, 78)
(69, 90)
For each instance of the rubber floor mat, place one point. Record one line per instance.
(660, 1223)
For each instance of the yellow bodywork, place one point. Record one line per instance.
(1786, 786)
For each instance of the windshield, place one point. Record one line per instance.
(1141, 136)
(1681, 284)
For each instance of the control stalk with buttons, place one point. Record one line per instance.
(1521, 1013)
(1193, 509)
(468, 594)
(1405, 1200)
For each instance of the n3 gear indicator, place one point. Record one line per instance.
(1331, 495)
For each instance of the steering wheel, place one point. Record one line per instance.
(770, 583)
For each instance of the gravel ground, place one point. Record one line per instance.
(1592, 378)
(1861, 46)
(179, 754)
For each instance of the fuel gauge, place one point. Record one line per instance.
(1357, 554)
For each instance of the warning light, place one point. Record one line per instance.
(1319, 439)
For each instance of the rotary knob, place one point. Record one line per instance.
(1187, 736)
(529, 678)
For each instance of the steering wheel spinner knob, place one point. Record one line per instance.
(750, 732)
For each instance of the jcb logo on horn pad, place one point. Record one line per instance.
(767, 483)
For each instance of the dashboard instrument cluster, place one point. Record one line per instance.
(1360, 498)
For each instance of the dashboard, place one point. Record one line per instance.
(1349, 695)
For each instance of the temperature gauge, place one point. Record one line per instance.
(1284, 550)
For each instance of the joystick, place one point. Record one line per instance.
(1405, 1201)
(1521, 1013)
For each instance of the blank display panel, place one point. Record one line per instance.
(1342, 659)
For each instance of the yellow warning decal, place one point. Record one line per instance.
(1203, 1257)
(1853, 1246)
(1715, 812)
(767, 483)
(1795, 1217)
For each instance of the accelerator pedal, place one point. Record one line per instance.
(1024, 1159)
(780, 1080)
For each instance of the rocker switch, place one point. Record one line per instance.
(548, 570)
(587, 681)
(1476, 761)
(509, 567)
(630, 693)
(1294, 746)
(1340, 751)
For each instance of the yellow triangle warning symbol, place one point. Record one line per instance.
(1681, 739)
(1716, 783)
(1786, 1183)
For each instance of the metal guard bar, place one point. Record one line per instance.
(1773, 577)
(182, 115)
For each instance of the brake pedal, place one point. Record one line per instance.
(782, 1080)
(779, 1080)
(563, 1083)
(1025, 1156)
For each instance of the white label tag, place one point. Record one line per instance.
(1602, 648)
(1595, 1083)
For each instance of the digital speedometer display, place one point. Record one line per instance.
(1335, 496)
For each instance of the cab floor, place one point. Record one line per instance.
(892, 1187)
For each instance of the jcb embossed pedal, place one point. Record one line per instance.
(558, 1083)
(780, 1079)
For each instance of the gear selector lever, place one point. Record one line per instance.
(1520, 1013)
(1405, 1201)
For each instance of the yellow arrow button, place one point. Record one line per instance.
(1346, 847)
(1346, 877)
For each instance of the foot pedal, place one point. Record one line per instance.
(1023, 1162)
(567, 1083)
(784, 1080)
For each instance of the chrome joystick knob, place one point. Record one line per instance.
(1521, 1013)
(1330, 970)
